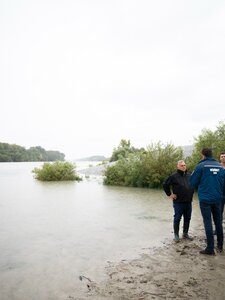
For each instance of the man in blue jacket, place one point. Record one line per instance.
(222, 161)
(208, 178)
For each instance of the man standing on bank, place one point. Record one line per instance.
(208, 178)
(222, 161)
(178, 188)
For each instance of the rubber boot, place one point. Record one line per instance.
(185, 231)
(176, 232)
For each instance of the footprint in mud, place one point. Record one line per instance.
(191, 282)
(90, 284)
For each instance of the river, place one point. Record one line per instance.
(53, 232)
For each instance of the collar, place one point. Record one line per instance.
(207, 158)
(181, 172)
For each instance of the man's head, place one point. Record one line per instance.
(207, 152)
(222, 158)
(181, 165)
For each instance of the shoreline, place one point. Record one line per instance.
(173, 271)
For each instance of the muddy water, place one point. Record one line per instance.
(50, 233)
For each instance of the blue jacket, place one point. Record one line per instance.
(208, 177)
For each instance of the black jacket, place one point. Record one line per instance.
(179, 183)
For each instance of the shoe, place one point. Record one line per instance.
(219, 249)
(176, 238)
(207, 252)
(186, 236)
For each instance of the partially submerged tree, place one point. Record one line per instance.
(123, 150)
(146, 168)
(57, 171)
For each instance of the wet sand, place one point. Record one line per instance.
(174, 271)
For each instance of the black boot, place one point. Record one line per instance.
(185, 231)
(176, 232)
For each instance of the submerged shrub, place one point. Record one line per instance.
(148, 168)
(57, 171)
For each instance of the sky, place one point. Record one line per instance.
(78, 76)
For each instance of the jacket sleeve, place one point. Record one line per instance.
(166, 185)
(196, 177)
(224, 189)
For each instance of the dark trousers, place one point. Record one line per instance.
(222, 208)
(182, 209)
(208, 212)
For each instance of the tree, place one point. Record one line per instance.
(161, 161)
(57, 171)
(208, 139)
(146, 168)
(123, 150)
(16, 153)
(55, 155)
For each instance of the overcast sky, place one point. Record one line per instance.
(78, 76)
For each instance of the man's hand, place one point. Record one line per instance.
(173, 196)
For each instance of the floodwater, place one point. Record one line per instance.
(53, 232)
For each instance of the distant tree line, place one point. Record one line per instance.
(149, 167)
(16, 153)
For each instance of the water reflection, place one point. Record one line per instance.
(52, 232)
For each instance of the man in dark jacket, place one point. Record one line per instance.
(208, 178)
(178, 188)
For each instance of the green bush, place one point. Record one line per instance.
(119, 173)
(57, 171)
(124, 150)
(147, 168)
(208, 139)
